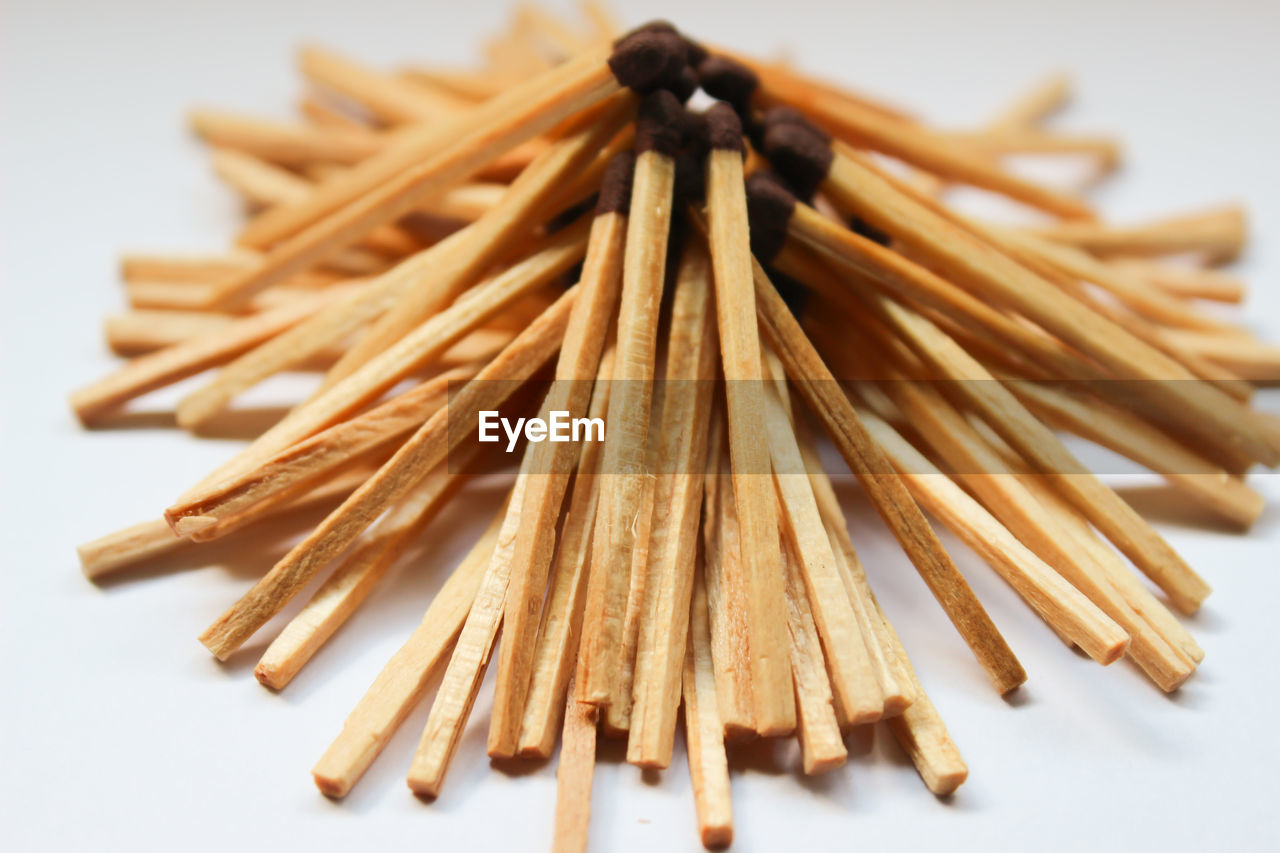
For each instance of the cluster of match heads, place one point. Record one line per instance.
(563, 214)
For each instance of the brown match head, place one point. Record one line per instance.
(647, 60)
(660, 123)
(783, 114)
(691, 183)
(799, 155)
(729, 81)
(687, 85)
(769, 208)
(724, 128)
(615, 188)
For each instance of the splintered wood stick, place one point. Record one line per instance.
(527, 199)
(853, 675)
(756, 508)
(394, 184)
(457, 694)
(350, 584)
(977, 465)
(574, 775)
(912, 143)
(821, 744)
(1219, 234)
(1112, 427)
(677, 511)
(315, 457)
(1065, 608)
(190, 357)
(426, 343)
(1185, 282)
(387, 98)
(425, 449)
(557, 642)
(292, 145)
(887, 492)
(644, 267)
(1130, 532)
(1205, 411)
(576, 369)
(919, 728)
(147, 540)
(1248, 358)
(404, 680)
(703, 726)
(726, 598)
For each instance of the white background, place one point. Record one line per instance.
(118, 729)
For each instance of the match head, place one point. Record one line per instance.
(660, 123)
(687, 85)
(799, 155)
(646, 60)
(729, 81)
(769, 209)
(615, 187)
(691, 183)
(724, 128)
(783, 114)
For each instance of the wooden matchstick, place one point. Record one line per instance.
(291, 145)
(704, 728)
(1219, 234)
(425, 449)
(677, 511)
(1185, 282)
(558, 634)
(821, 745)
(404, 680)
(1245, 357)
(744, 396)
(888, 494)
(350, 584)
(554, 462)
(658, 134)
(574, 776)
(385, 97)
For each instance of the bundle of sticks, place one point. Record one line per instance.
(561, 233)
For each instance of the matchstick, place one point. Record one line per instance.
(576, 369)
(658, 131)
(558, 634)
(289, 145)
(744, 396)
(404, 680)
(1245, 357)
(677, 511)
(425, 449)
(350, 584)
(821, 745)
(1185, 282)
(139, 332)
(888, 494)
(385, 97)
(574, 776)
(704, 729)
(1219, 234)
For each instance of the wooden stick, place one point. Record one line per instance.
(486, 132)
(558, 633)
(1185, 282)
(286, 144)
(1023, 141)
(643, 270)
(166, 366)
(535, 541)
(412, 461)
(821, 745)
(1035, 105)
(457, 693)
(386, 97)
(1218, 233)
(887, 492)
(704, 729)
(404, 680)
(726, 597)
(765, 585)
(677, 504)
(574, 776)
(1245, 357)
(350, 584)
(1065, 608)
(136, 333)
(853, 676)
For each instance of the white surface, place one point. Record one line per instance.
(119, 730)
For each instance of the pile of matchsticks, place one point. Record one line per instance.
(441, 243)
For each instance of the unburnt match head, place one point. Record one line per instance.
(691, 185)
(724, 129)
(799, 151)
(650, 59)
(615, 187)
(769, 208)
(660, 124)
(729, 81)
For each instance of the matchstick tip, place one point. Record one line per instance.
(800, 153)
(331, 786)
(729, 81)
(649, 60)
(724, 128)
(717, 837)
(660, 123)
(769, 208)
(615, 186)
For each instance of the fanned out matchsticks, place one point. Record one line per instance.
(441, 243)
